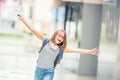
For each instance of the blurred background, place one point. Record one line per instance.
(88, 24)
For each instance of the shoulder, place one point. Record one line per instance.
(46, 40)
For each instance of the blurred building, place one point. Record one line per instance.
(104, 16)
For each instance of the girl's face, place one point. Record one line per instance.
(59, 37)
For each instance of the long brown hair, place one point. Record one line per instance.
(62, 44)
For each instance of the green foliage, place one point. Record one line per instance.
(14, 36)
(27, 32)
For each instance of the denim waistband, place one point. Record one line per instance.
(43, 69)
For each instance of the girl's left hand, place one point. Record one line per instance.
(95, 51)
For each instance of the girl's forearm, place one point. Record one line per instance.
(27, 25)
(39, 35)
(83, 51)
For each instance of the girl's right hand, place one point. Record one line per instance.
(20, 17)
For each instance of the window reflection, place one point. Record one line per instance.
(110, 23)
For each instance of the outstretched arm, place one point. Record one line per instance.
(39, 35)
(82, 51)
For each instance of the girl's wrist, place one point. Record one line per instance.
(90, 51)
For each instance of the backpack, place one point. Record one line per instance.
(59, 56)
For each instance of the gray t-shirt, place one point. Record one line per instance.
(46, 57)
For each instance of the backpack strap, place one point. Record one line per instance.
(59, 57)
(44, 43)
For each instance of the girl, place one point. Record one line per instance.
(51, 52)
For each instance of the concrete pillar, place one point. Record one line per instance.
(117, 65)
(92, 14)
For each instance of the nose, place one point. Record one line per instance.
(60, 36)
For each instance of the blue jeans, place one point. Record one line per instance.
(44, 74)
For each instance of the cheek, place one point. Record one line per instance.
(56, 39)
